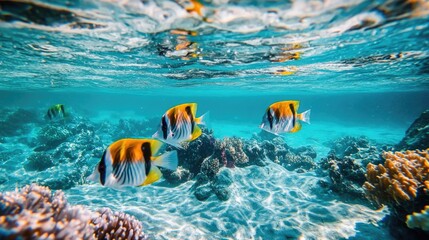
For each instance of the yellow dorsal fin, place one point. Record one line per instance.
(197, 132)
(153, 176)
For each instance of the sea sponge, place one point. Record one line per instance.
(34, 213)
(398, 180)
(419, 220)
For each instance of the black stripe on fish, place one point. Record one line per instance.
(147, 153)
(116, 163)
(164, 127)
(102, 169)
(173, 119)
(189, 112)
(49, 114)
(62, 109)
(292, 109)
(277, 115)
(270, 118)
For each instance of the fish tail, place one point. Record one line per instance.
(204, 119)
(305, 116)
(167, 160)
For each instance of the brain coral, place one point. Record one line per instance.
(34, 213)
(399, 179)
(419, 220)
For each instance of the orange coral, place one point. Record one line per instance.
(400, 177)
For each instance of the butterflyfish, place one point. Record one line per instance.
(282, 117)
(56, 111)
(132, 162)
(179, 124)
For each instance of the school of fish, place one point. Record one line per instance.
(136, 162)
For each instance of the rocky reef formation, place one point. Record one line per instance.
(130, 128)
(16, 122)
(417, 135)
(419, 220)
(34, 213)
(401, 183)
(207, 159)
(345, 165)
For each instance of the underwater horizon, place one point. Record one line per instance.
(76, 77)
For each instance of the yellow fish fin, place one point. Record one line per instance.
(197, 132)
(297, 127)
(155, 145)
(153, 176)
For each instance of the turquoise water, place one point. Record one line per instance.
(360, 66)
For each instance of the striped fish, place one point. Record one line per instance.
(179, 124)
(132, 162)
(282, 117)
(56, 111)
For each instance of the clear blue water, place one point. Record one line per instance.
(360, 66)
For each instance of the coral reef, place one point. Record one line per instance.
(345, 165)
(345, 174)
(72, 152)
(402, 184)
(417, 135)
(205, 158)
(205, 186)
(419, 220)
(118, 225)
(52, 135)
(38, 161)
(400, 177)
(16, 122)
(34, 213)
(231, 152)
(128, 128)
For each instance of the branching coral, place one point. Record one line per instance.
(33, 213)
(118, 225)
(419, 220)
(398, 180)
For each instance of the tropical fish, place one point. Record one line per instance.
(281, 117)
(179, 124)
(132, 162)
(56, 111)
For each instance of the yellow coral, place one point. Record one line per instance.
(419, 220)
(399, 178)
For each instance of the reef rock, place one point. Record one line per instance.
(417, 135)
(346, 162)
(16, 122)
(419, 220)
(38, 161)
(345, 174)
